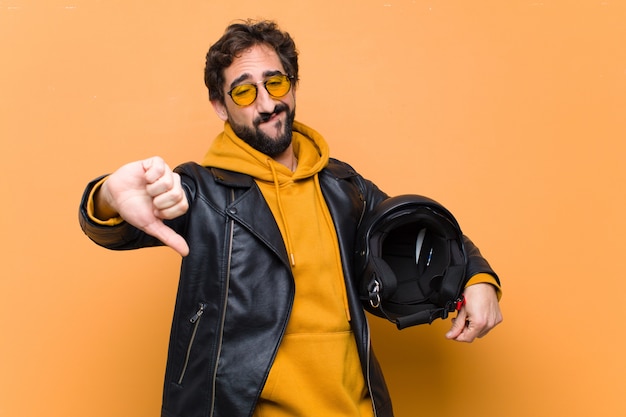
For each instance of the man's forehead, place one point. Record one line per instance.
(249, 77)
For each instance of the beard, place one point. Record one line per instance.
(262, 142)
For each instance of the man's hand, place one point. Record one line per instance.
(478, 316)
(144, 193)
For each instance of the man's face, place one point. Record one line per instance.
(266, 124)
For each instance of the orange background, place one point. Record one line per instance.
(511, 113)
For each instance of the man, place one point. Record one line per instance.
(267, 319)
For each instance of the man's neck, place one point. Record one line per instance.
(287, 158)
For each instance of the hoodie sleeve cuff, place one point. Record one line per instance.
(484, 278)
(113, 221)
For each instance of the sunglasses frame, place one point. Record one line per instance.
(289, 79)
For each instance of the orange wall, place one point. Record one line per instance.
(511, 113)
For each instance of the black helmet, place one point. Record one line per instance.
(410, 261)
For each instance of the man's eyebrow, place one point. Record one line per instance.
(247, 76)
(239, 79)
(271, 73)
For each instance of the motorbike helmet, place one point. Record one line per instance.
(410, 261)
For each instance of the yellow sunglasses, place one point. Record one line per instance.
(277, 86)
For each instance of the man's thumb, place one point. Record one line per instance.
(169, 237)
(458, 324)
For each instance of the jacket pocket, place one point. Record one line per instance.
(195, 321)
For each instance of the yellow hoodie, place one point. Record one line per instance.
(317, 368)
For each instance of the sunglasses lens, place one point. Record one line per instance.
(243, 95)
(278, 85)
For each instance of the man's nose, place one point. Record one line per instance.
(264, 102)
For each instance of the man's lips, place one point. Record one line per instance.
(273, 116)
(268, 118)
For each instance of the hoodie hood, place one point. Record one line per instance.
(230, 152)
(275, 180)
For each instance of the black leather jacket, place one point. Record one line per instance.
(236, 288)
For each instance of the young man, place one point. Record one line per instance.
(267, 319)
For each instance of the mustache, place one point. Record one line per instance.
(264, 117)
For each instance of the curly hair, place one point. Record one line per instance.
(240, 37)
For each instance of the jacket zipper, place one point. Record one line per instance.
(195, 320)
(367, 326)
(363, 210)
(368, 371)
(223, 316)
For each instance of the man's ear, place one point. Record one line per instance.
(220, 109)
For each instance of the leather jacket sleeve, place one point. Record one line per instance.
(476, 264)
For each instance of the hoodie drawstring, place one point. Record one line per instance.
(288, 242)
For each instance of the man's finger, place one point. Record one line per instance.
(458, 325)
(169, 237)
